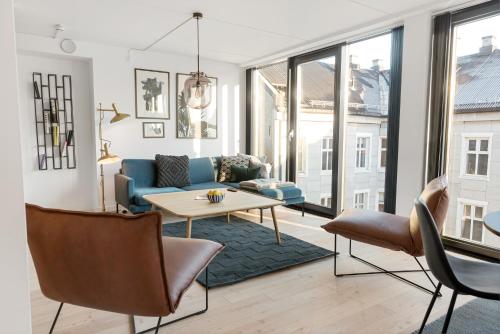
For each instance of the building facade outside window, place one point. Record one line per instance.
(326, 153)
(363, 151)
(382, 153)
(470, 220)
(476, 155)
(361, 199)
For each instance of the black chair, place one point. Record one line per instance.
(479, 279)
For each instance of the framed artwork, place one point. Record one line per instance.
(195, 123)
(153, 130)
(152, 94)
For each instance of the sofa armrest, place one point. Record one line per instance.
(124, 190)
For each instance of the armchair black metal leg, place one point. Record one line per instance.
(303, 208)
(117, 208)
(429, 309)
(450, 312)
(55, 319)
(380, 270)
(261, 215)
(428, 277)
(158, 325)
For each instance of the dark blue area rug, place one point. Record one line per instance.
(251, 249)
(477, 316)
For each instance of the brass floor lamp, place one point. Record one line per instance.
(104, 144)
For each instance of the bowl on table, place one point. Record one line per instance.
(215, 196)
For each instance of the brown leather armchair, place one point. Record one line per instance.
(114, 262)
(391, 231)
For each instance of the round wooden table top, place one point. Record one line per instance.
(492, 222)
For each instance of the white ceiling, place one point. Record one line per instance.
(235, 31)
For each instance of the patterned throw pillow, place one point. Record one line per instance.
(227, 162)
(173, 171)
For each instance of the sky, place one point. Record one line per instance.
(468, 41)
(469, 34)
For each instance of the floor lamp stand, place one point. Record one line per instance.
(101, 183)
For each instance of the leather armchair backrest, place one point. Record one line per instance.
(104, 261)
(435, 197)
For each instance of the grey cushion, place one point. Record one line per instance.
(173, 171)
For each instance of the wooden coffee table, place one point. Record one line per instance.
(184, 204)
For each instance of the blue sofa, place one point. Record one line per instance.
(137, 178)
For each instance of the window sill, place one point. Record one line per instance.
(475, 177)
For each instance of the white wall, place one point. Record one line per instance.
(113, 81)
(413, 117)
(65, 188)
(14, 302)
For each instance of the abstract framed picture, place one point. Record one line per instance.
(153, 130)
(152, 94)
(195, 123)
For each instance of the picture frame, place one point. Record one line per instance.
(152, 94)
(195, 123)
(153, 130)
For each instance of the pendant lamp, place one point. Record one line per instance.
(198, 87)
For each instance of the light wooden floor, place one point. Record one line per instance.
(303, 299)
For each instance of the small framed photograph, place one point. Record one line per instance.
(152, 94)
(153, 130)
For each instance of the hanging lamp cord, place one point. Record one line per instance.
(198, 39)
(165, 35)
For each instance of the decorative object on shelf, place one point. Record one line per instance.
(195, 123)
(107, 157)
(36, 90)
(153, 130)
(54, 123)
(152, 94)
(198, 88)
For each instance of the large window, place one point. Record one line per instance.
(270, 116)
(465, 122)
(331, 124)
(367, 120)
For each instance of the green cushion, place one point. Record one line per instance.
(239, 174)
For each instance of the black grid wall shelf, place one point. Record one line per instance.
(54, 122)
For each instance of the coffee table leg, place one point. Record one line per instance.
(228, 216)
(188, 227)
(276, 229)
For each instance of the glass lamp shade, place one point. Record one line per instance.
(198, 90)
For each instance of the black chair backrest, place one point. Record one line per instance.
(433, 247)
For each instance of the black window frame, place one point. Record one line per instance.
(440, 109)
(390, 187)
